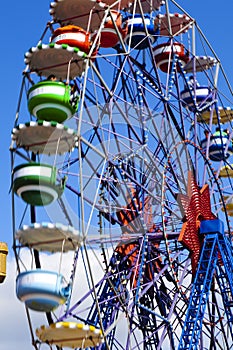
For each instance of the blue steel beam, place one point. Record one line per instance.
(216, 255)
(199, 294)
(225, 277)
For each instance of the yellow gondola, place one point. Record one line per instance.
(70, 334)
(223, 115)
(3, 255)
(226, 170)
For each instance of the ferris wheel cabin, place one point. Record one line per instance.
(166, 52)
(199, 97)
(139, 26)
(220, 147)
(229, 205)
(109, 36)
(51, 101)
(3, 256)
(71, 335)
(36, 184)
(41, 290)
(72, 36)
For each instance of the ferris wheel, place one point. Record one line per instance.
(122, 174)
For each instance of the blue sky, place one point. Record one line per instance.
(22, 25)
(22, 31)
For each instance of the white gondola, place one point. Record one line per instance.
(49, 237)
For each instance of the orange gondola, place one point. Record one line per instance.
(73, 36)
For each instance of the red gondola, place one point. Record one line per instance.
(164, 54)
(109, 35)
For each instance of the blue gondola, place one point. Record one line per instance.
(41, 290)
(137, 24)
(199, 97)
(220, 147)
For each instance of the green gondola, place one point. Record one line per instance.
(36, 183)
(52, 101)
